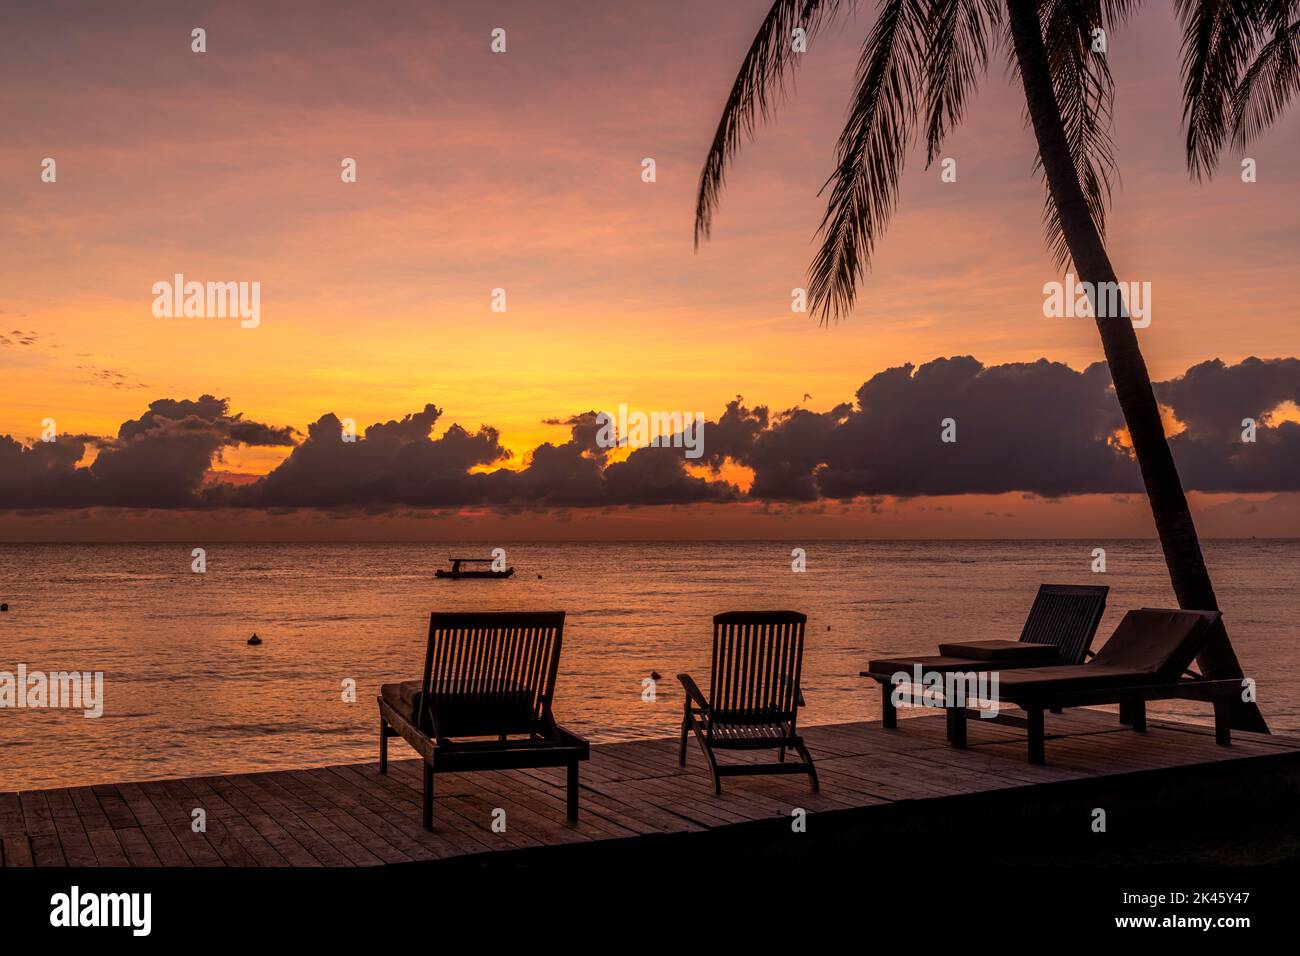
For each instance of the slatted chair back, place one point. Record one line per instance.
(488, 674)
(757, 659)
(1066, 616)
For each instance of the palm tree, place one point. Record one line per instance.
(920, 64)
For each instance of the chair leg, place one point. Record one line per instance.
(888, 712)
(573, 792)
(1139, 715)
(1125, 713)
(780, 754)
(713, 763)
(1037, 736)
(383, 745)
(686, 729)
(1223, 721)
(957, 726)
(428, 797)
(808, 761)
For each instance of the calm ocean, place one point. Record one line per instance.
(184, 694)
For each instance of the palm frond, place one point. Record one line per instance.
(1085, 95)
(759, 86)
(1269, 83)
(1220, 38)
(1116, 12)
(881, 125)
(957, 55)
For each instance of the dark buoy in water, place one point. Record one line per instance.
(828, 627)
(539, 577)
(4, 607)
(655, 675)
(255, 639)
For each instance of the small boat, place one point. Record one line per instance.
(457, 572)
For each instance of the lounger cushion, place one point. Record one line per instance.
(505, 710)
(1033, 680)
(403, 698)
(1156, 641)
(1002, 651)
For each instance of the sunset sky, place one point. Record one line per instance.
(522, 171)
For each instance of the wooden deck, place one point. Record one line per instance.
(350, 815)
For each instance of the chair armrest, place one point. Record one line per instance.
(568, 738)
(693, 691)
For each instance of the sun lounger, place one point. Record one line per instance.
(485, 676)
(1145, 659)
(1058, 630)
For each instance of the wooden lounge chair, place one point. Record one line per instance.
(754, 694)
(1058, 630)
(1145, 659)
(485, 676)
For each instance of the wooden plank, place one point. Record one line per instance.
(180, 823)
(11, 816)
(119, 814)
(108, 852)
(354, 852)
(277, 816)
(136, 847)
(77, 850)
(387, 842)
(219, 836)
(269, 825)
(18, 851)
(88, 809)
(344, 814)
(46, 850)
(161, 840)
(399, 792)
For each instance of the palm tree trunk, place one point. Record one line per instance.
(1128, 370)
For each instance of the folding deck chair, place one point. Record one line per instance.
(754, 694)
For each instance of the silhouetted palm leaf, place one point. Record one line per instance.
(759, 85)
(1219, 40)
(1085, 94)
(1271, 81)
(958, 54)
(870, 154)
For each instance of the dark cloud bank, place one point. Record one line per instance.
(1039, 428)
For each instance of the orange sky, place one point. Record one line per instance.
(522, 171)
